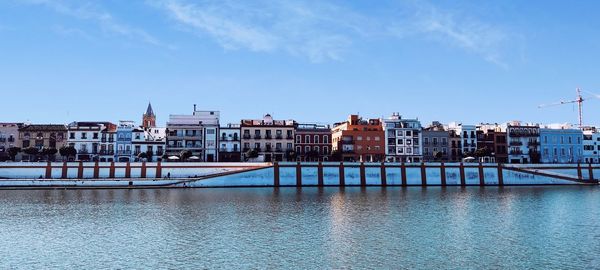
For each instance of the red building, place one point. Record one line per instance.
(313, 142)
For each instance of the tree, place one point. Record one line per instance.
(149, 155)
(482, 152)
(32, 151)
(438, 155)
(142, 155)
(290, 155)
(336, 155)
(251, 153)
(185, 154)
(13, 152)
(49, 153)
(67, 151)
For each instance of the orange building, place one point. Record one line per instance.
(358, 140)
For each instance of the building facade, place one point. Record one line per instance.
(591, 145)
(435, 143)
(9, 134)
(403, 139)
(42, 136)
(313, 142)
(124, 143)
(561, 145)
(492, 140)
(197, 133)
(468, 138)
(358, 139)
(86, 138)
(272, 140)
(230, 141)
(523, 142)
(148, 143)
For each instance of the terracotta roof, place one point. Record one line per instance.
(48, 127)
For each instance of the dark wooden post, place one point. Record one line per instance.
(143, 170)
(591, 172)
(48, 170)
(481, 175)
(423, 174)
(579, 172)
(65, 168)
(298, 174)
(80, 170)
(128, 170)
(158, 173)
(342, 174)
(111, 173)
(443, 174)
(500, 175)
(276, 174)
(383, 175)
(363, 177)
(403, 172)
(461, 168)
(96, 170)
(320, 173)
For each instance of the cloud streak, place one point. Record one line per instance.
(106, 21)
(323, 31)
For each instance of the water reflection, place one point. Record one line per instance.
(375, 227)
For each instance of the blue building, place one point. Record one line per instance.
(561, 145)
(124, 143)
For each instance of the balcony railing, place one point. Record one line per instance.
(534, 143)
(515, 152)
(278, 137)
(123, 152)
(257, 137)
(268, 137)
(516, 143)
(246, 136)
(289, 137)
(107, 152)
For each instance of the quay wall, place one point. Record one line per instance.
(141, 174)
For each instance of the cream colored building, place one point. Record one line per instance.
(272, 139)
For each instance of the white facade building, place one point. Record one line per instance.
(591, 145)
(150, 141)
(467, 134)
(523, 142)
(403, 139)
(230, 143)
(197, 133)
(86, 138)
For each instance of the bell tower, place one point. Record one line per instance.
(149, 119)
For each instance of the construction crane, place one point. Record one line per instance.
(579, 100)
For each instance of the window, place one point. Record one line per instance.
(289, 146)
(377, 138)
(408, 133)
(298, 149)
(359, 138)
(83, 135)
(298, 138)
(307, 139)
(210, 131)
(325, 150)
(306, 149)
(325, 139)
(316, 139)
(72, 135)
(400, 142)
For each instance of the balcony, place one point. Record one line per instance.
(278, 137)
(534, 143)
(268, 137)
(103, 140)
(107, 152)
(290, 137)
(515, 152)
(257, 137)
(268, 149)
(278, 149)
(82, 151)
(246, 136)
(2, 139)
(516, 143)
(123, 152)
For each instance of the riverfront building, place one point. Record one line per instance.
(124, 144)
(468, 138)
(491, 143)
(85, 137)
(561, 144)
(591, 145)
(313, 142)
(9, 133)
(524, 142)
(51, 136)
(357, 139)
(267, 139)
(403, 139)
(148, 143)
(435, 143)
(107, 143)
(196, 133)
(230, 143)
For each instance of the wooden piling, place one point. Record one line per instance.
(481, 175)
(500, 175)
(463, 181)
(579, 172)
(591, 172)
(111, 173)
(65, 169)
(158, 173)
(342, 174)
(80, 170)
(128, 170)
(276, 174)
(298, 174)
(443, 174)
(403, 172)
(143, 170)
(320, 174)
(383, 175)
(48, 170)
(96, 170)
(363, 177)
(423, 174)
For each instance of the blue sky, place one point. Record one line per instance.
(313, 61)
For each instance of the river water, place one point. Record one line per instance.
(310, 228)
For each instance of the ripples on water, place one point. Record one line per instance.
(511, 227)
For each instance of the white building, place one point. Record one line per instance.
(230, 143)
(86, 138)
(151, 141)
(591, 145)
(467, 134)
(197, 133)
(523, 142)
(403, 139)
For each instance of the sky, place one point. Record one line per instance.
(311, 61)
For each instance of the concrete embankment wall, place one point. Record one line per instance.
(110, 174)
(413, 174)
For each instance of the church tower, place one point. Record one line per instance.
(149, 119)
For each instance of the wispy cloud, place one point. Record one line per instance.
(321, 30)
(106, 21)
